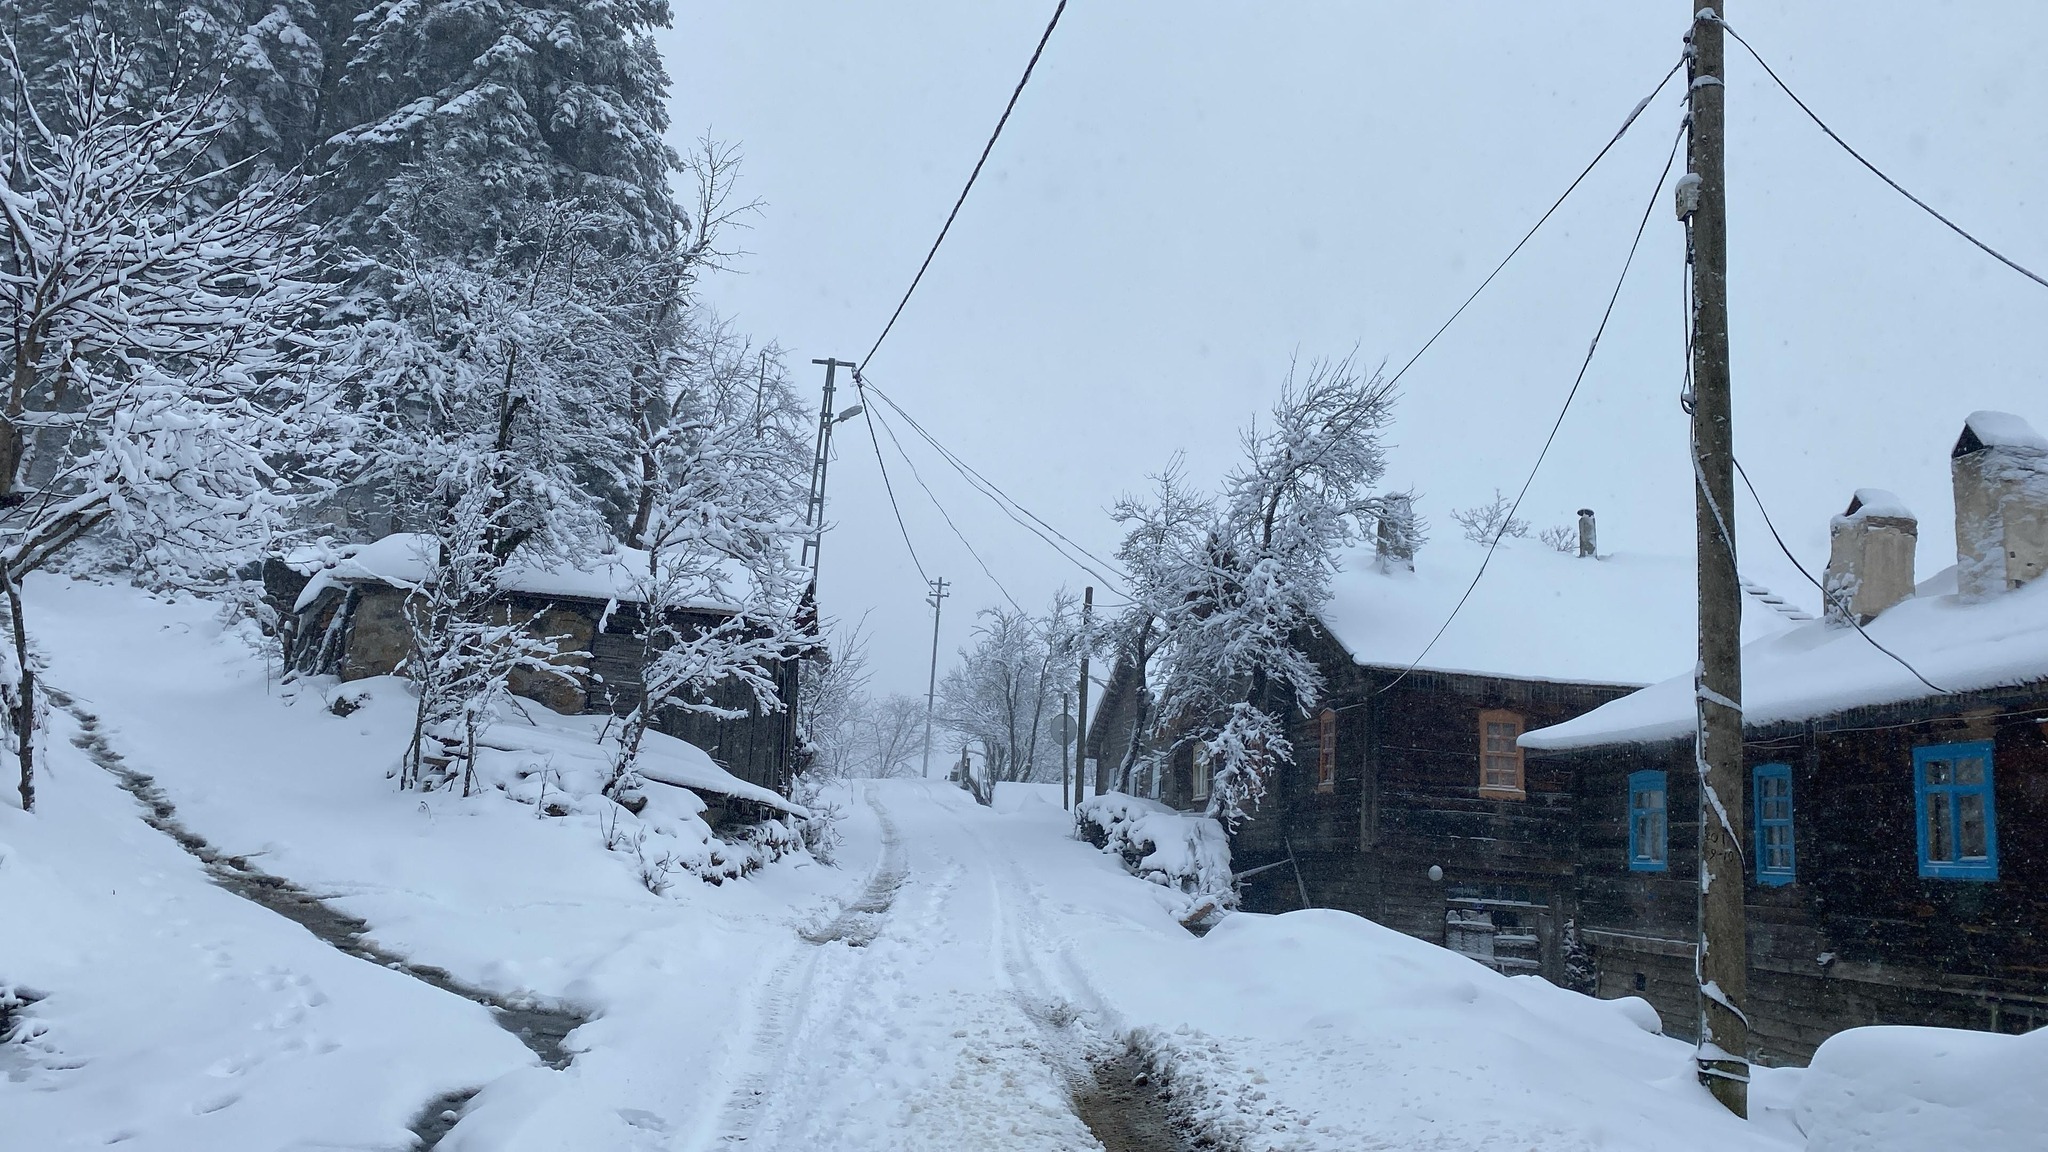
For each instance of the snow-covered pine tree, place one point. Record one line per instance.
(540, 101)
(161, 372)
(267, 58)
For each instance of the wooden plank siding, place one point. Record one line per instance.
(1858, 937)
(1407, 795)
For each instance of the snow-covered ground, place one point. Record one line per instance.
(942, 987)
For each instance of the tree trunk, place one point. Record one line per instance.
(24, 717)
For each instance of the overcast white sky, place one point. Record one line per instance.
(1189, 194)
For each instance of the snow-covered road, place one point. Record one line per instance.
(944, 986)
(934, 1012)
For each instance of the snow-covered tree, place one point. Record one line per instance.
(1162, 534)
(160, 383)
(266, 58)
(719, 520)
(1007, 688)
(832, 700)
(892, 736)
(541, 100)
(1230, 668)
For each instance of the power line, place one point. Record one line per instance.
(971, 178)
(947, 516)
(1584, 364)
(869, 419)
(1041, 527)
(1626, 124)
(1825, 596)
(1007, 504)
(1924, 206)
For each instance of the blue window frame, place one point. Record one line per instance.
(1771, 786)
(1649, 825)
(1958, 823)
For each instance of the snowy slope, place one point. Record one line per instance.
(1626, 618)
(178, 1017)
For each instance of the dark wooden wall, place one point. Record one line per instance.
(1407, 797)
(1859, 937)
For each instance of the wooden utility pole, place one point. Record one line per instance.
(1066, 746)
(1081, 713)
(931, 687)
(1723, 1054)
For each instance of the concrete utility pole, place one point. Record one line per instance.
(1081, 713)
(931, 688)
(1723, 1054)
(814, 512)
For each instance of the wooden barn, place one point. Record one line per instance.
(346, 618)
(1897, 827)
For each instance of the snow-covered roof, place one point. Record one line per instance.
(663, 758)
(1626, 618)
(1816, 669)
(403, 559)
(2004, 430)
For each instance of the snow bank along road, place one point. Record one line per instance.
(945, 987)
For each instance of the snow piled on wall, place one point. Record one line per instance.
(1896, 1089)
(1184, 852)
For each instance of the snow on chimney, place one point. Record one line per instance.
(1589, 542)
(1870, 556)
(2000, 469)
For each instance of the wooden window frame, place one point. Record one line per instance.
(1519, 790)
(1950, 797)
(1642, 783)
(1766, 874)
(1201, 776)
(1326, 750)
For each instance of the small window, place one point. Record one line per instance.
(1772, 789)
(1500, 758)
(1199, 789)
(1326, 752)
(1958, 824)
(1649, 829)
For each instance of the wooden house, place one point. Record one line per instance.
(1896, 802)
(1409, 800)
(346, 617)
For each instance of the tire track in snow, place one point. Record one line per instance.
(790, 1003)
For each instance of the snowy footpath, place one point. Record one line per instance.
(949, 983)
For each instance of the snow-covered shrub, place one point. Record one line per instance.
(559, 766)
(1186, 853)
(1560, 538)
(820, 833)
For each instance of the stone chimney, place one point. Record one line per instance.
(2000, 469)
(1870, 557)
(1589, 541)
(1398, 533)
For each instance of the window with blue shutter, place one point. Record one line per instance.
(1771, 785)
(1649, 826)
(1958, 833)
